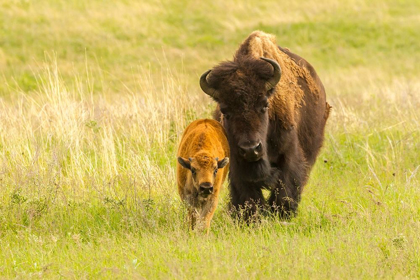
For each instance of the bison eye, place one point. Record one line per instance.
(264, 109)
(193, 171)
(225, 113)
(215, 172)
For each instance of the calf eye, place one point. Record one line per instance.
(193, 171)
(215, 172)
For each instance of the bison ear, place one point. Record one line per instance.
(223, 162)
(186, 163)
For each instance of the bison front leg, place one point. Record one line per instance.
(247, 201)
(206, 215)
(286, 191)
(284, 199)
(192, 217)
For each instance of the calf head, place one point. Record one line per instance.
(242, 90)
(203, 169)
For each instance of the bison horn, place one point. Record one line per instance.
(205, 86)
(272, 82)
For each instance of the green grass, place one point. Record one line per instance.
(94, 96)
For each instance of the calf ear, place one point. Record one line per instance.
(222, 163)
(186, 163)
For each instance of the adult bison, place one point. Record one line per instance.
(273, 106)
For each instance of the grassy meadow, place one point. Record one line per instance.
(94, 96)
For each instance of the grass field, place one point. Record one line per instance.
(94, 96)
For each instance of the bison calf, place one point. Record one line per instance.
(199, 178)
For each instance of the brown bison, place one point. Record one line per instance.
(199, 179)
(273, 106)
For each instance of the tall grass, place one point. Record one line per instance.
(66, 129)
(83, 171)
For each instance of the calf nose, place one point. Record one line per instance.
(251, 152)
(206, 188)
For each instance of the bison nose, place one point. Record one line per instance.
(251, 152)
(206, 188)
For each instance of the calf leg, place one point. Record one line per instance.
(207, 215)
(192, 217)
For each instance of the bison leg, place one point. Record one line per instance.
(284, 198)
(246, 201)
(192, 217)
(288, 185)
(207, 215)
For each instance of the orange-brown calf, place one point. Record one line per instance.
(203, 158)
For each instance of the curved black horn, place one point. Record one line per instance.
(205, 86)
(272, 82)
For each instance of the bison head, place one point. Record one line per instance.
(242, 90)
(203, 170)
